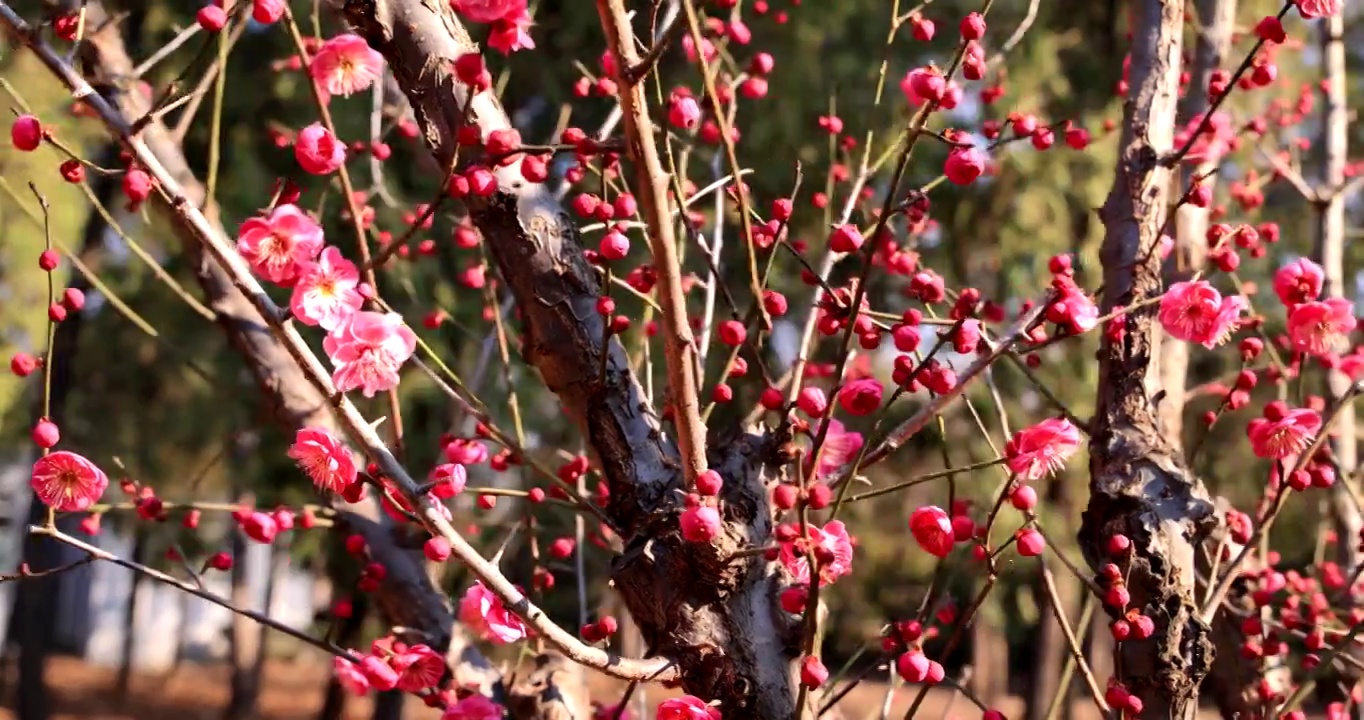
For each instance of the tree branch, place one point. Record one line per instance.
(679, 347)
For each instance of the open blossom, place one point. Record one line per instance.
(486, 11)
(841, 446)
(511, 34)
(323, 458)
(67, 482)
(1299, 281)
(833, 551)
(1321, 327)
(474, 707)
(279, 245)
(349, 675)
(1036, 452)
(1319, 8)
(687, 707)
(346, 64)
(932, 529)
(325, 293)
(1289, 433)
(485, 614)
(1195, 312)
(418, 668)
(318, 151)
(368, 350)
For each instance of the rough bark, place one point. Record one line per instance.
(1217, 19)
(407, 598)
(717, 620)
(1139, 485)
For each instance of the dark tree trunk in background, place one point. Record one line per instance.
(389, 705)
(248, 638)
(125, 666)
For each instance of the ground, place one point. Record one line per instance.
(293, 690)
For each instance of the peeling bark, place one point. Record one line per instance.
(717, 620)
(407, 597)
(1139, 485)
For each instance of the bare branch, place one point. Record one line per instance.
(679, 347)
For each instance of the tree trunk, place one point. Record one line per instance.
(248, 638)
(1218, 20)
(1331, 242)
(1139, 485)
(123, 684)
(718, 621)
(389, 705)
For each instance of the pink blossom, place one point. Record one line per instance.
(687, 707)
(1319, 8)
(350, 677)
(1195, 312)
(279, 245)
(833, 550)
(1321, 327)
(324, 458)
(485, 614)
(67, 482)
(346, 64)
(486, 11)
(1041, 450)
(922, 84)
(700, 524)
(266, 12)
(368, 350)
(418, 668)
(326, 292)
(318, 151)
(259, 526)
(1298, 282)
(861, 397)
(964, 165)
(474, 707)
(840, 448)
(511, 34)
(466, 452)
(932, 529)
(1287, 435)
(1073, 307)
(448, 480)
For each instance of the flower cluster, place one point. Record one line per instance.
(366, 349)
